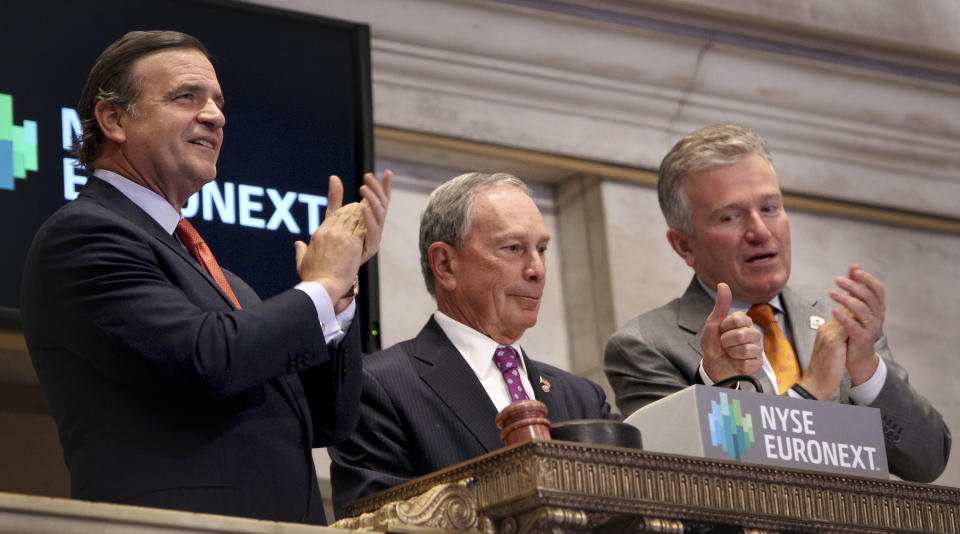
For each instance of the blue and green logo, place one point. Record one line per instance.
(729, 428)
(18, 145)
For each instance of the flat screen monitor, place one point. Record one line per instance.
(298, 108)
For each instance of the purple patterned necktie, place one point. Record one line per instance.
(506, 360)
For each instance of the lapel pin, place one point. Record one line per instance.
(544, 385)
(816, 321)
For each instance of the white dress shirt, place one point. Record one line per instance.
(478, 349)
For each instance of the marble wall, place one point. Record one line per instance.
(854, 96)
(858, 99)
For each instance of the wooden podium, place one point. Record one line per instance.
(548, 486)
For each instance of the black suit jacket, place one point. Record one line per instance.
(165, 395)
(424, 409)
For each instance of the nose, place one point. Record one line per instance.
(757, 230)
(536, 268)
(212, 114)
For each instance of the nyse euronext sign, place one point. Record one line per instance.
(18, 146)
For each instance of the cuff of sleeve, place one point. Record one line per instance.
(704, 376)
(868, 392)
(345, 318)
(797, 391)
(334, 326)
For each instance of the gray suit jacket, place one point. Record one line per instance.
(658, 353)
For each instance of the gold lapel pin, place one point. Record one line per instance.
(544, 385)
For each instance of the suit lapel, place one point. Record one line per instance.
(446, 373)
(110, 197)
(799, 315)
(556, 410)
(695, 306)
(107, 195)
(175, 246)
(804, 318)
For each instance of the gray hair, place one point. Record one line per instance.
(721, 144)
(447, 217)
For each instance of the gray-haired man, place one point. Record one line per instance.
(431, 401)
(719, 194)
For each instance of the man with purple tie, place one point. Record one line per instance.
(431, 401)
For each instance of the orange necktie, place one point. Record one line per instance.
(776, 347)
(198, 249)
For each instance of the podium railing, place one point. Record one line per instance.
(556, 486)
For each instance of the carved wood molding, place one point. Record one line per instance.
(536, 487)
(444, 506)
(546, 520)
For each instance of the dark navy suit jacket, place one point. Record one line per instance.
(165, 395)
(424, 409)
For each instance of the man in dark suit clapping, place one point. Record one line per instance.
(172, 384)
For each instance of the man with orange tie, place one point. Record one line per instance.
(172, 384)
(431, 401)
(719, 195)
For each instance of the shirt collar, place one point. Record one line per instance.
(737, 304)
(475, 347)
(153, 204)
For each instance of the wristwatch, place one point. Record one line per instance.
(354, 289)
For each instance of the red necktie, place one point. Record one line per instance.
(506, 360)
(776, 347)
(198, 249)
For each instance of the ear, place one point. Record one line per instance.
(111, 119)
(681, 244)
(443, 263)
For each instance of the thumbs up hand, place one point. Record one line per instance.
(731, 345)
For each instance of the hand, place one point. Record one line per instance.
(731, 345)
(861, 316)
(376, 198)
(334, 253)
(825, 372)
